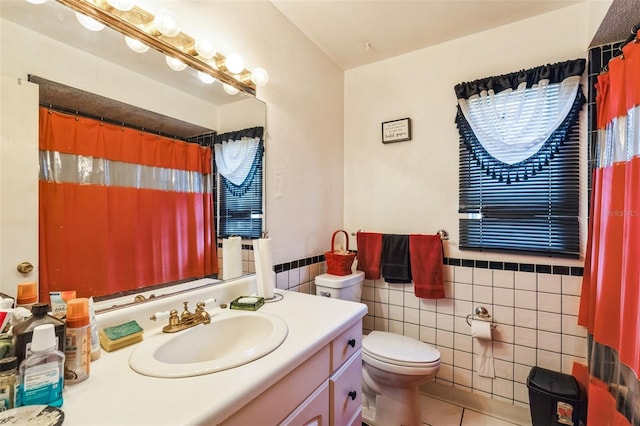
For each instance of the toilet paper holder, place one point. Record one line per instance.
(482, 313)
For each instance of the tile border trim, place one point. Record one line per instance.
(576, 271)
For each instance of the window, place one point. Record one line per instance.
(240, 193)
(519, 161)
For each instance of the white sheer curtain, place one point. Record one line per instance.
(234, 158)
(514, 124)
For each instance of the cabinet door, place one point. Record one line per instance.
(346, 391)
(314, 411)
(283, 398)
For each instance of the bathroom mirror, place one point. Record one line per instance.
(214, 109)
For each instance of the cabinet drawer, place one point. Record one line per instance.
(346, 391)
(345, 345)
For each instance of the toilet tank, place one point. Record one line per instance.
(346, 287)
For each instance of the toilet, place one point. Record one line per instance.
(393, 366)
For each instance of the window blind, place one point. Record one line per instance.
(533, 215)
(240, 207)
(241, 215)
(519, 161)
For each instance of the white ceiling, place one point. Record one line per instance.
(359, 32)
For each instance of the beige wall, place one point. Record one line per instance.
(415, 187)
(304, 141)
(415, 183)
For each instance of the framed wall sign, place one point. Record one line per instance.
(396, 130)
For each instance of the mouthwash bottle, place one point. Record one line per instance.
(42, 372)
(23, 331)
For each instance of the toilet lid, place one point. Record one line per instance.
(397, 349)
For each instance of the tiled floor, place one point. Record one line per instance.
(439, 413)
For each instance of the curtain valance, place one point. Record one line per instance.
(237, 155)
(554, 73)
(514, 124)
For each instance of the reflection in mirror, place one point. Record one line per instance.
(142, 87)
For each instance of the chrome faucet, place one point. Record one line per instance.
(186, 319)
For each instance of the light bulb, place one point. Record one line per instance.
(175, 63)
(136, 45)
(205, 78)
(167, 23)
(89, 23)
(229, 89)
(234, 63)
(205, 49)
(259, 76)
(123, 5)
(36, 1)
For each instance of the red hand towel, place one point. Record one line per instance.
(369, 254)
(426, 266)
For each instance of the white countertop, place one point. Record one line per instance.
(116, 395)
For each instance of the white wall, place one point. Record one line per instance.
(412, 187)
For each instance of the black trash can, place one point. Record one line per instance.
(555, 398)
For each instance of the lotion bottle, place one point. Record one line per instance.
(42, 372)
(77, 348)
(27, 294)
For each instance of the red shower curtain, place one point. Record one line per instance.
(610, 301)
(103, 228)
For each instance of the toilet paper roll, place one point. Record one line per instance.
(265, 277)
(481, 329)
(231, 258)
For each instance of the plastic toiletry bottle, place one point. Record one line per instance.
(93, 330)
(77, 348)
(27, 294)
(42, 372)
(9, 383)
(23, 331)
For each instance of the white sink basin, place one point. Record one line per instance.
(232, 339)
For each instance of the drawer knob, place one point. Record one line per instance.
(353, 395)
(352, 343)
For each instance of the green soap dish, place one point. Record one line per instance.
(247, 303)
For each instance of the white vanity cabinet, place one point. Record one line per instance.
(314, 378)
(325, 390)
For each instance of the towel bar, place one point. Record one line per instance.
(444, 235)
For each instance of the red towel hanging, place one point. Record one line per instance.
(426, 266)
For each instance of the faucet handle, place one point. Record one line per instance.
(185, 312)
(159, 316)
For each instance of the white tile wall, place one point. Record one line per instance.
(537, 325)
(536, 315)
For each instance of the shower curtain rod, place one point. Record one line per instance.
(618, 52)
(112, 121)
(630, 38)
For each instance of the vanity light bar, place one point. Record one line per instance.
(137, 23)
